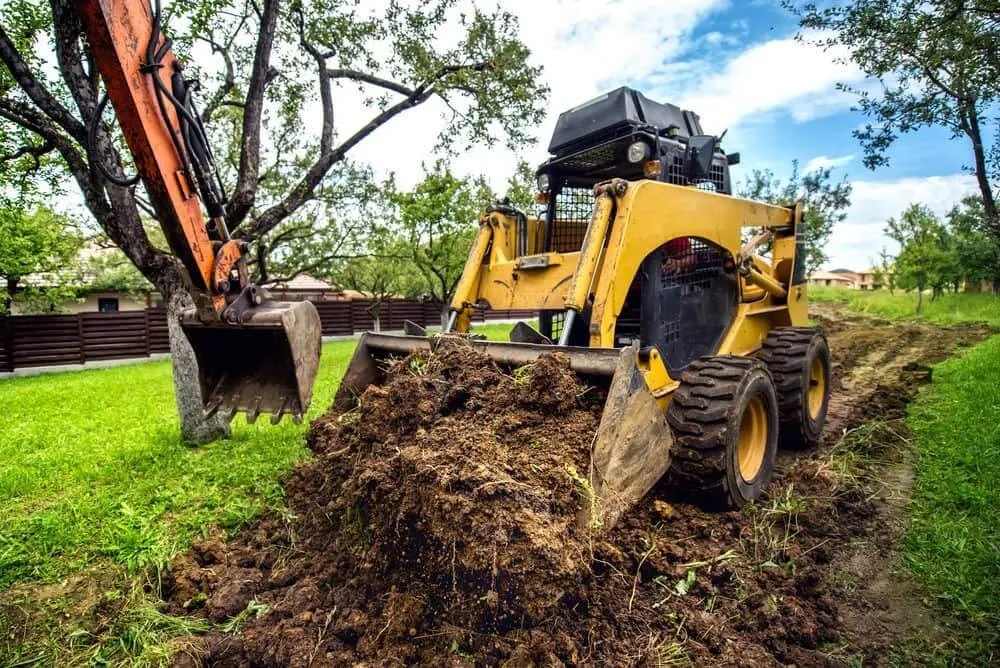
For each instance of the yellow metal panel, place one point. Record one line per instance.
(504, 286)
(649, 215)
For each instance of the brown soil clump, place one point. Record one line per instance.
(436, 525)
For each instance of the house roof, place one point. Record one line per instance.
(829, 276)
(304, 283)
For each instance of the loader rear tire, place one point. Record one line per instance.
(799, 361)
(724, 418)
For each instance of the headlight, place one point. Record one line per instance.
(638, 151)
(543, 183)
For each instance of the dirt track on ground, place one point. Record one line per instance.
(436, 525)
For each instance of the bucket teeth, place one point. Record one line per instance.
(212, 406)
(265, 363)
(253, 411)
(233, 408)
(280, 412)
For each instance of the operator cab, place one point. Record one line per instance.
(684, 295)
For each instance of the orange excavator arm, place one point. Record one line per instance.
(254, 354)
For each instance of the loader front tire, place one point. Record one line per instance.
(799, 361)
(724, 418)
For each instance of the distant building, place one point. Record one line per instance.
(845, 278)
(90, 298)
(303, 287)
(830, 279)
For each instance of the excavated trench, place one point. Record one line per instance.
(436, 524)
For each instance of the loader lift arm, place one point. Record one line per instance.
(254, 354)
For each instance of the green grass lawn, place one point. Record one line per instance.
(92, 467)
(95, 482)
(953, 541)
(947, 309)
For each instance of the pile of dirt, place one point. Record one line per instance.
(448, 496)
(436, 524)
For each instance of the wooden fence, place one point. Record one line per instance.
(51, 340)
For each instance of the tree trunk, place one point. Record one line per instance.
(920, 298)
(445, 313)
(982, 175)
(195, 428)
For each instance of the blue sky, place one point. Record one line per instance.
(734, 62)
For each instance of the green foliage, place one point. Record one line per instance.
(947, 309)
(977, 250)
(937, 65)
(522, 187)
(882, 272)
(826, 203)
(438, 220)
(35, 241)
(113, 272)
(927, 256)
(339, 223)
(952, 543)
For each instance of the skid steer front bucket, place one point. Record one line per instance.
(265, 364)
(631, 450)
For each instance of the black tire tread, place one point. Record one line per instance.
(699, 417)
(783, 352)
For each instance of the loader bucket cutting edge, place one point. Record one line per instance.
(631, 449)
(265, 364)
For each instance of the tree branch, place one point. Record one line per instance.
(36, 152)
(70, 58)
(38, 94)
(302, 191)
(228, 84)
(246, 185)
(325, 94)
(363, 77)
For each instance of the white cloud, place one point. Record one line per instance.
(795, 76)
(823, 162)
(857, 240)
(585, 47)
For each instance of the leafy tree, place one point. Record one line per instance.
(826, 202)
(438, 220)
(35, 241)
(883, 273)
(937, 64)
(522, 187)
(275, 66)
(923, 260)
(977, 249)
(381, 274)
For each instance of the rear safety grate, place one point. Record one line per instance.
(571, 216)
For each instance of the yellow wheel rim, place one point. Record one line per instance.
(753, 438)
(817, 388)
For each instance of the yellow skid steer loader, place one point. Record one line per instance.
(687, 302)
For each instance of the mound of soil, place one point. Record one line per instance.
(450, 494)
(436, 524)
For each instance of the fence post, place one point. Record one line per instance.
(79, 333)
(145, 330)
(8, 336)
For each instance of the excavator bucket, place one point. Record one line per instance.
(631, 450)
(264, 364)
